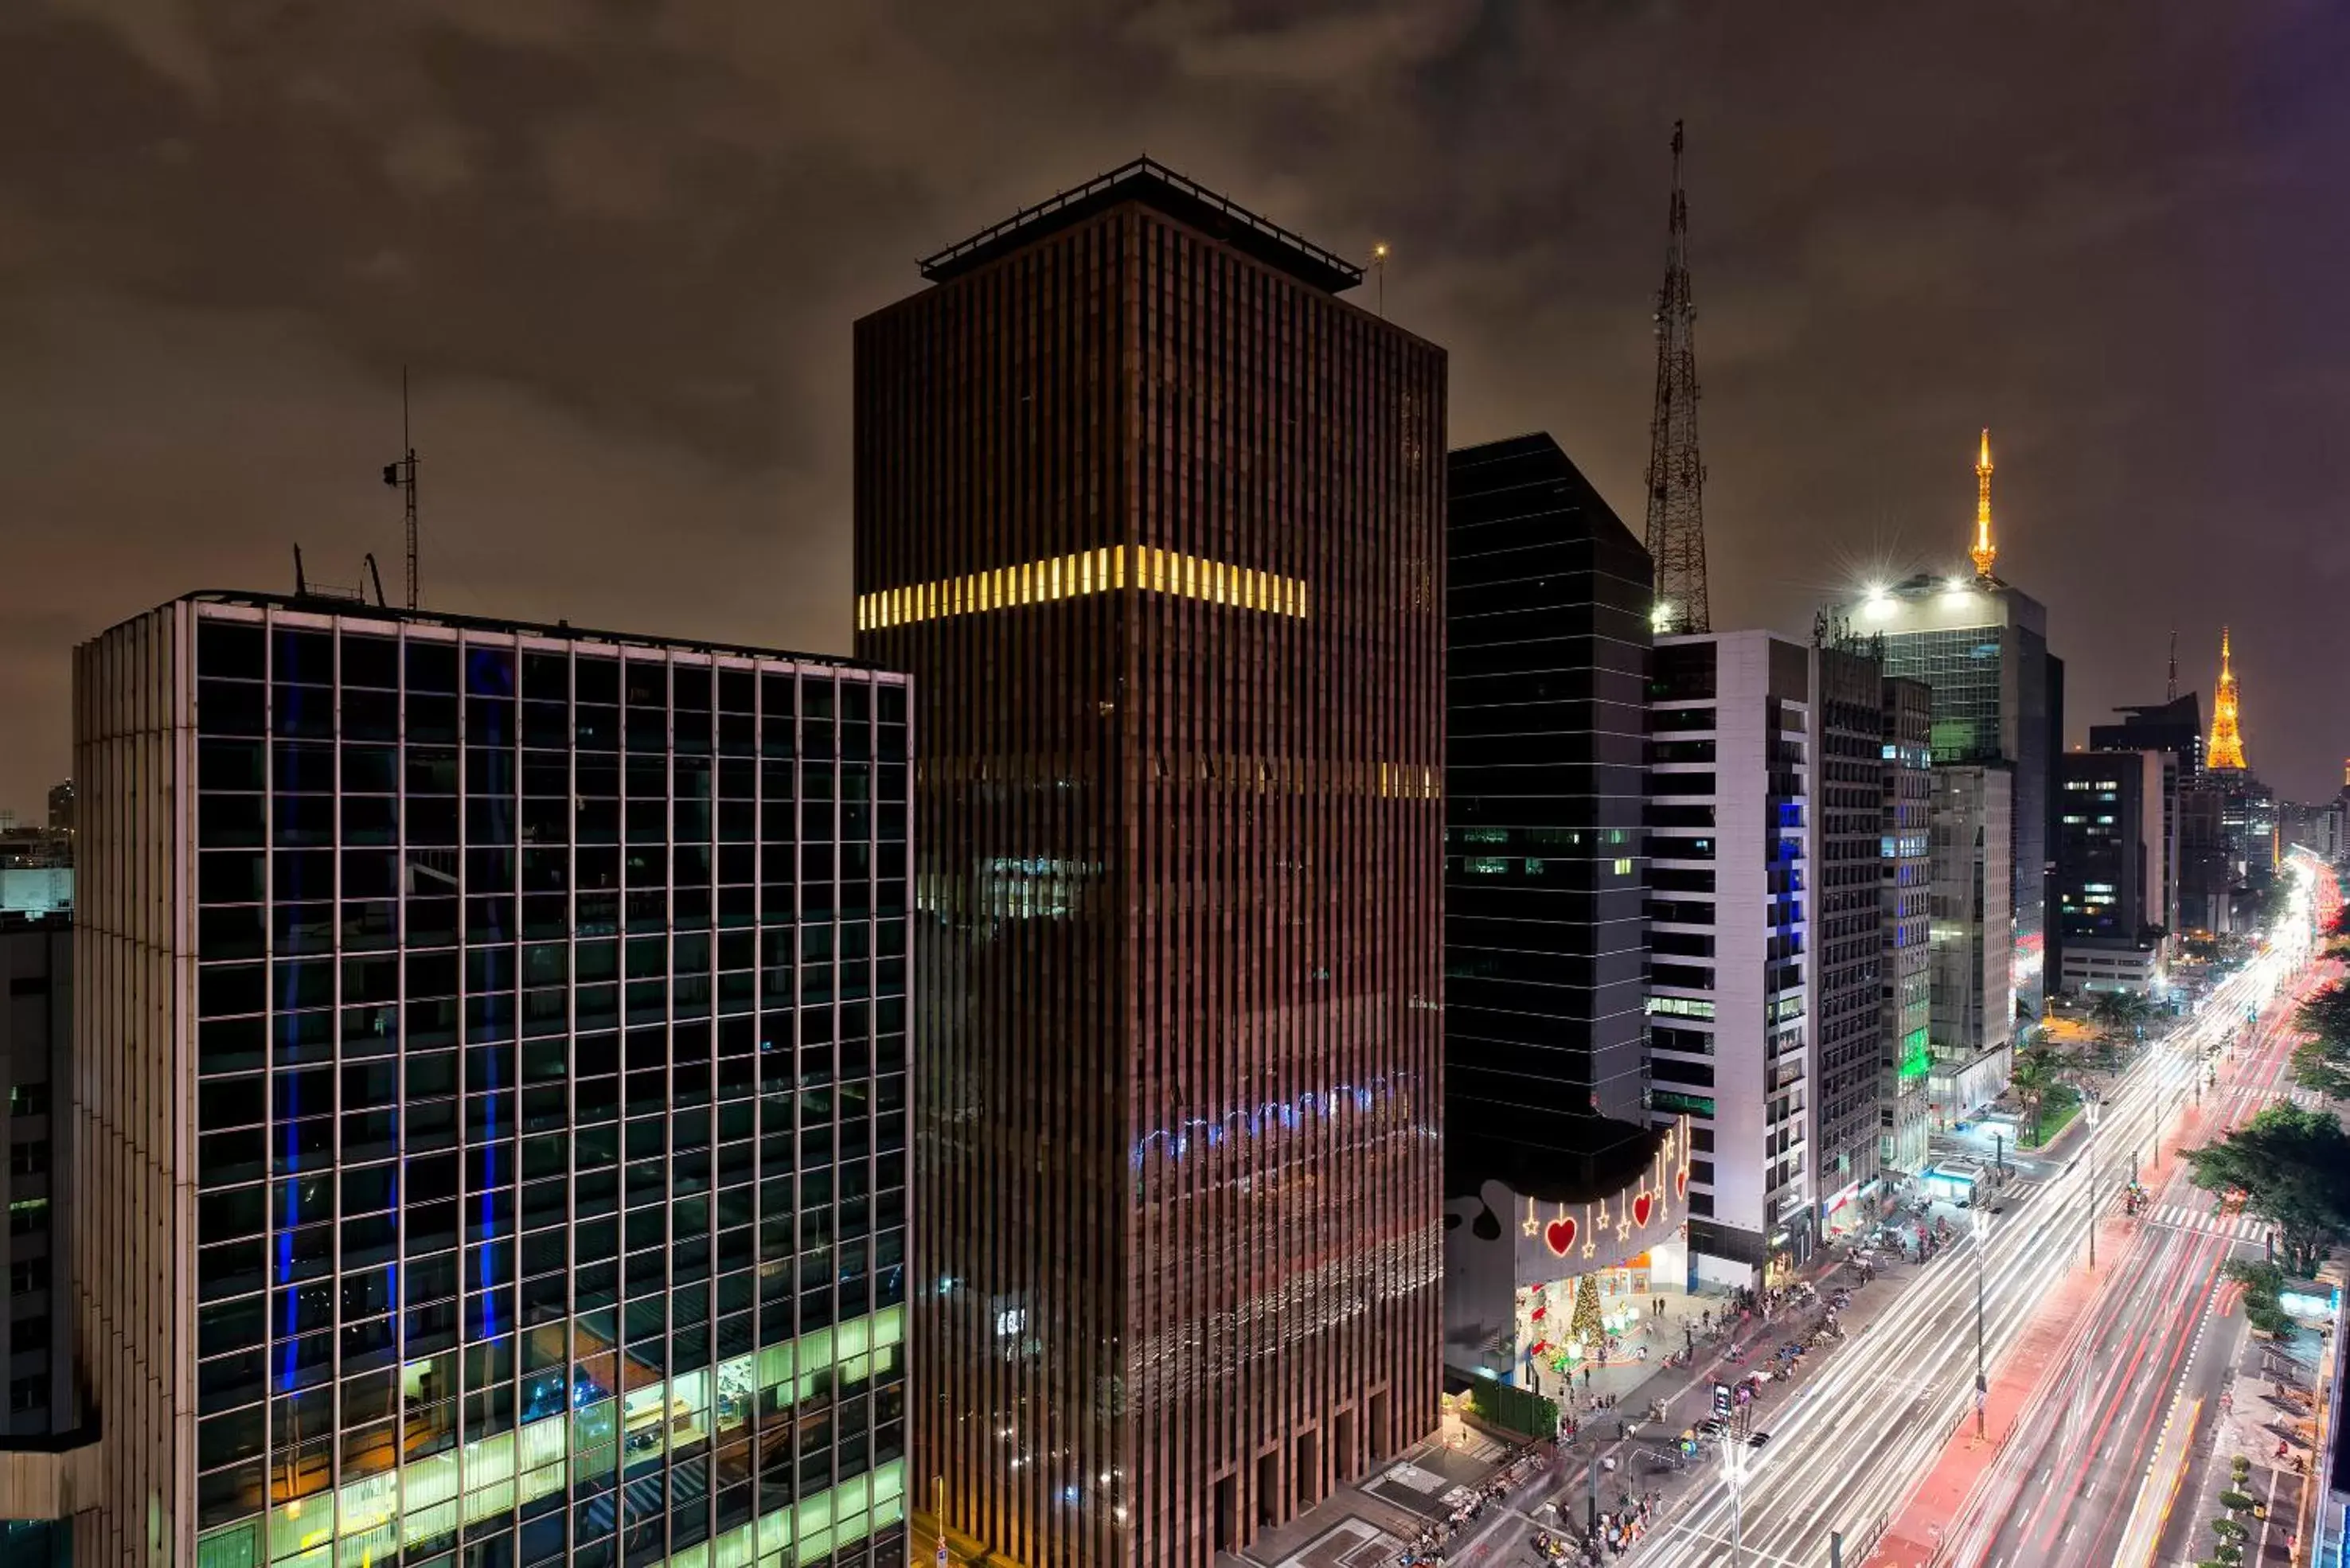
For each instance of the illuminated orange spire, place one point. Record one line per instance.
(2227, 748)
(1984, 552)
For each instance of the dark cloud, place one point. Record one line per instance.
(621, 241)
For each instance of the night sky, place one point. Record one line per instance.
(621, 243)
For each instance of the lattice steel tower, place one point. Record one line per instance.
(2227, 749)
(1676, 474)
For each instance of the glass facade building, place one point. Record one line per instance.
(1546, 879)
(2110, 866)
(35, 1328)
(1156, 522)
(1905, 907)
(1545, 873)
(1848, 945)
(1972, 1018)
(1981, 645)
(490, 1106)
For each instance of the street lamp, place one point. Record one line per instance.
(1982, 1385)
(2094, 1111)
(1733, 1470)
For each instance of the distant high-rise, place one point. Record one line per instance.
(489, 1096)
(1973, 967)
(2207, 870)
(2110, 872)
(2175, 729)
(2227, 750)
(1981, 645)
(61, 808)
(1905, 908)
(1157, 521)
(1847, 953)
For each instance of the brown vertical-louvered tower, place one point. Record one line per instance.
(1156, 520)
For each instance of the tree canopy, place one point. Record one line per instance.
(2038, 1079)
(2120, 1010)
(2293, 1168)
(2323, 1062)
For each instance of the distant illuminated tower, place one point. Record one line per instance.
(2227, 749)
(1676, 533)
(1984, 550)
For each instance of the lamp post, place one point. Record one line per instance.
(2094, 1111)
(1982, 1385)
(1733, 1469)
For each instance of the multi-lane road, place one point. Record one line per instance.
(2088, 1476)
(1850, 1443)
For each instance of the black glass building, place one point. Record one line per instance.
(489, 1112)
(2175, 729)
(1545, 951)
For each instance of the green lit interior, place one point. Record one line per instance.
(430, 1498)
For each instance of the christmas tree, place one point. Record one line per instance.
(1587, 1327)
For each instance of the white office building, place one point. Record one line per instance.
(1731, 1041)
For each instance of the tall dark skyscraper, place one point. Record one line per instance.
(2110, 876)
(1848, 932)
(489, 1124)
(1156, 519)
(2174, 728)
(35, 1320)
(1545, 947)
(1545, 873)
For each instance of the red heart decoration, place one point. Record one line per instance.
(1681, 1184)
(1560, 1235)
(1642, 1207)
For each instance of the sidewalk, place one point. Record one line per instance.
(1633, 1464)
(2254, 1417)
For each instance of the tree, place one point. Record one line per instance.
(2038, 1072)
(2120, 1011)
(1585, 1320)
(2293, 1168)
(2323, 1062)
(2263, 1285)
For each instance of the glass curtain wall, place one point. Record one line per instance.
(550, 1098)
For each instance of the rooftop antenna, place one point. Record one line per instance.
(1676, 533)
(2172, 693)
(1379, 269)
(403, 474)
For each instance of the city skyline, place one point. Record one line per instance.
(211, 287)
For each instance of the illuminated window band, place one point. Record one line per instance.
(1106, 570)
(365, 1522)
(1264, 774)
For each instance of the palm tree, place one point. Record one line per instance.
(2036, 1071)
(2119, 1010)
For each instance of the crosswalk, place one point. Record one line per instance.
(2255, 1097)
(2188, 1217)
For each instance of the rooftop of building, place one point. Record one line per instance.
(561, 631)
(1154, 185)
(1528, 468)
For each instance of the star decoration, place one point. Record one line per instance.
(1590, 1249)
(1623, 1230)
